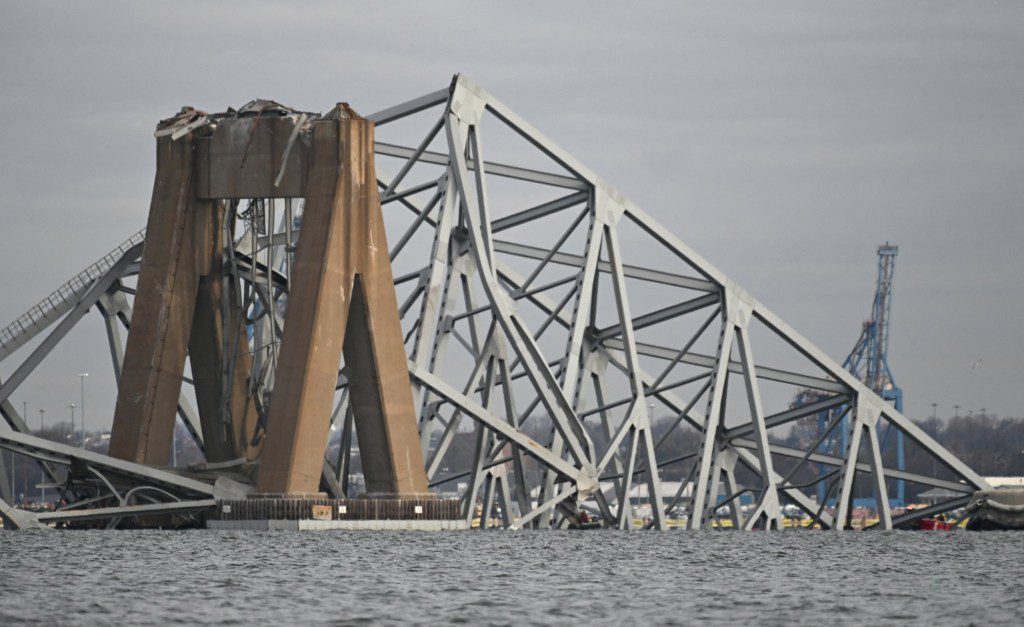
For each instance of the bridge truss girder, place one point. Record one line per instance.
(557, 374)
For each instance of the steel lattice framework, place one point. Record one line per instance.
(550, 316)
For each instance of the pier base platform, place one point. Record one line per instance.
(344, 525)
(380, 514)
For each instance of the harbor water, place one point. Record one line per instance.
(497, 577)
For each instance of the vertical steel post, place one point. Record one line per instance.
(81, 377)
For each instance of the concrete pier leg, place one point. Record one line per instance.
(307, 365)
(165, 299)
(380, 393)
(342, 296)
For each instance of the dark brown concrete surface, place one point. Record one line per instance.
(165, 299)
(342, 297)
(242, 159)
(178, 310)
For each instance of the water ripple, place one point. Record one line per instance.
(505, 578)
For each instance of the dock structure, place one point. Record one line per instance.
(308, 288)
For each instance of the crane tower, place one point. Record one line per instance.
(869, 362)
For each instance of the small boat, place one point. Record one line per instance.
(934, 524)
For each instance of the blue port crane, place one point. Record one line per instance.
(869, 359)
(869, 362)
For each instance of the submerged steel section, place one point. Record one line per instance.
(342, 297)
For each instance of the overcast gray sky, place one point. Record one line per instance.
(783, 141)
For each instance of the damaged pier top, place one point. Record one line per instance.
(341, 297)
(261, 150)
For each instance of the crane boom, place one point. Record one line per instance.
(869, 362)
(869, 359)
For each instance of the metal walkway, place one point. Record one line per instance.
(60, 301)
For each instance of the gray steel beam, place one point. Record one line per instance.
(789, 415)
(99, 287)
(632, 272)
(126, 511)
(33, 446)
(640, 419)
(768, 502)
(382, 117)
(515, 329)
(497, 169)
(539, 211)
(763, 372)
(674, 403)
(791, 492)
(918, 436)
(481, 414)
(707, 482)
(836, 462)
(878, 475)
(914, 515)
(659, 316)
(60, 301)
(18, 518)
(12, 417)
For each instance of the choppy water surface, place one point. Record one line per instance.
(511, 577)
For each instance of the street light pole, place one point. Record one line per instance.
(74, 434)
(42, 476)
(24, 479)
(81, 377)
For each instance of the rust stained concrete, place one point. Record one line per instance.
(178, 312)
(342, 298)
(154, 358)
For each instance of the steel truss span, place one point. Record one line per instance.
(568, 354)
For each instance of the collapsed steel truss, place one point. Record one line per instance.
(535, 316)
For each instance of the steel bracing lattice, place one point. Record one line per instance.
(564, 328)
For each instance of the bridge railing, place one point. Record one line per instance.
(61, 300)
